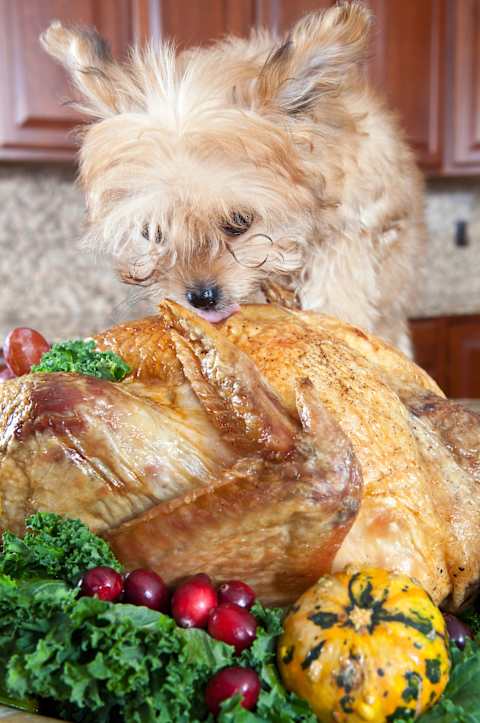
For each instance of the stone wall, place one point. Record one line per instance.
(452, 273)
(46, 280)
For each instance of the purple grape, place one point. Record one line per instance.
(458, 631)
(102, 582)
(237, 592)
(229, 682)
(145, 587)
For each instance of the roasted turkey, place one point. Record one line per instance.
(273, 447)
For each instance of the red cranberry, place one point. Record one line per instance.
(229, 682)
(145, 587)
(233, 625)
(458, 632)
(102, 582)
(237, 592)
(24, 347)
(193, 601)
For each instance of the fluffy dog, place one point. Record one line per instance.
(212, 171)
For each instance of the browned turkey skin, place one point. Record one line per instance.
(206, 473)
(273, 447)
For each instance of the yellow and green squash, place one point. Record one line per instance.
(365, 645)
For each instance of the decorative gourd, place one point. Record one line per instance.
(365, 645)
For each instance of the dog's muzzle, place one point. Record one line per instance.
(203, 297)
(206, 301)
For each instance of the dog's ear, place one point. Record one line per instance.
(87, 57)
(315, 58)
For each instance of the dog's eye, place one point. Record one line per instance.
(146, 234)
(237, 224)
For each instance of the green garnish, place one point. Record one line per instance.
(90, 660)
(82, 358)
(54, 547)
(472, 618)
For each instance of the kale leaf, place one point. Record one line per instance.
(81, 357)
(54, 547)
(91, 660)
(87, 660)
(472, 618)
(104, 662)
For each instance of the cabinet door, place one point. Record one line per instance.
(192, 23)
(34, 124)
(464, 358)
(199, 23)
(408, 65)
(463, 107)
(429, 337)
(279, 15)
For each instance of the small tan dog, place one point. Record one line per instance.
(255, 160)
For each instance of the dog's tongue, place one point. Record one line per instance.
(215, 316)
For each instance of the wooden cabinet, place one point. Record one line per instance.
(425, 57)
(429, 337)
(427, 60)
(448, 348)
(408, 65)
(464, 358)
(463, 88)
(280, 15)
(34, 124)
(192, 23)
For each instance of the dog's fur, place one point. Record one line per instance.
(285, 133)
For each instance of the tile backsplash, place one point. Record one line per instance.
(451, 283)
(48, 282)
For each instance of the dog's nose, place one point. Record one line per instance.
(204, 297)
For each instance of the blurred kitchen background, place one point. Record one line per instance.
(425, 57)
